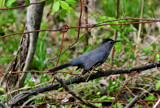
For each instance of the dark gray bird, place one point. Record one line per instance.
(91, 59)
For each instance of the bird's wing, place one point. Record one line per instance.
(94, 60)
(89, 64)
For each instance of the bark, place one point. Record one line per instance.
(86, 23)
(26, 50)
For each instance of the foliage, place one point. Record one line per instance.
(2, 2)
(128, 52)
(3, 98)
(151, 97)
(118, 105)
(64, 6)
(158, 85)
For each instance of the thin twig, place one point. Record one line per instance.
(31, 99)
(141, 96)
(86, 23)
(157, 105)
(115, 35)
(139, 33)
(79, 19)
(75, 95)
(89, 26)
(78, 79)
(121, 89)
(23, 5)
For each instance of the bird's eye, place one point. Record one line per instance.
(111, 42)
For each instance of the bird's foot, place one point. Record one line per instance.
(100, 69)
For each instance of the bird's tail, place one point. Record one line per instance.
(59, 67)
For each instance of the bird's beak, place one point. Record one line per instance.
(116, 41)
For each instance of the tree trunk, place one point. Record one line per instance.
(26, 50)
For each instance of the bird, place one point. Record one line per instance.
(91, 59)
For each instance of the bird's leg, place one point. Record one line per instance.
(101, 68)
(88, 77)
(94, 68)
(78, 67)
(110, 66)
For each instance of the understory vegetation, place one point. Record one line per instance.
(139, 46)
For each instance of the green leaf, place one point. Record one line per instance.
(118, 46)
(60, 89)
(27, 2)
(122, 21)
(3, 98)
(110, 18)
(101, 19)
(154, 46)
(31, 84)
(118, 105)
(139, 106)
(48, 2)
(116, 27)
(147, 48)
(127, 48)
(92, 15)
(98, 104)
(63, 13)
(2, 91)
(2, 2)
(64, 5)
(71, 11)
(10, 2)
(150, 98)
(106, 98)
(110, 88)
(130, 99)
(130, 29)
(27, 78)
(103, 97)
(98, 79)
(110, 98)
(157, 85)
(132, 57)
(55, 7)
(71, 1)
(157, 57)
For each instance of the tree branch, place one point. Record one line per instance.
(75, 95)
(141, 96)
(78, 79)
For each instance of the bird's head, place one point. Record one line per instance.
(109, 41)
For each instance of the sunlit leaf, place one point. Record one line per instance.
(158, 85)
(2, 2)
(2, 90)
(71, 11)
(150, 98)
(118, 105)
(99, 105)
(157, 57)
(64, 5)
(147, 48)
(118, 46)
(10, 2)
(71, 1)
(55, 7)
(154, 46)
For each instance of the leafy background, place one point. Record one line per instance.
(60, 12)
